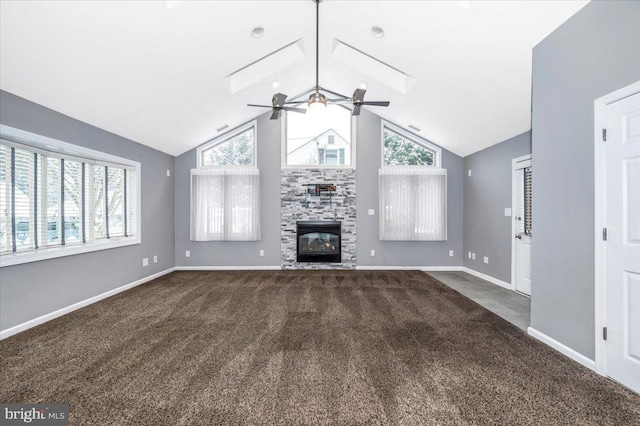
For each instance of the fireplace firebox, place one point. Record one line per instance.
(319, 241)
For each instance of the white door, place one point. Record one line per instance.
(522, 225)
(623, 241)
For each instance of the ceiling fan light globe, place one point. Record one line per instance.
(317, 101)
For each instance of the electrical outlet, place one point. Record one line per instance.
(373, 253)
(507, 211)
(450, 253)
(469, 172)
(145, 261)
(469, 255)
(187, 253)
(168, 172)
(261, 253)
(486, 259)
(155, 259)
(473, 256)
(372, 212)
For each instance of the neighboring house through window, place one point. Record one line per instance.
(319, 138)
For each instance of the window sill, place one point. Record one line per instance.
(55, 252)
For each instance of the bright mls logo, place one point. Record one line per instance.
(36, 414)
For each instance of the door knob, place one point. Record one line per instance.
(518, 236)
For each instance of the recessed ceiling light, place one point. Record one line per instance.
(377, 31)
(363, 85)
(411, 126)
(275, 84)
(257, 32)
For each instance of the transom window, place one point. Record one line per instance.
(319, 138)
(236, 148)
(402, 148)
(55, 195)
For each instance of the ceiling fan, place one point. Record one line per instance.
(318, 99)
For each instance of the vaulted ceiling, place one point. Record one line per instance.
(154, 71)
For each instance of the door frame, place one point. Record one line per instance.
(600, 263)
(516, 164)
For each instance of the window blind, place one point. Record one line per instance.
(5, 200)
(49, 200)
(225, 204)
(413, 204)
(527, 200)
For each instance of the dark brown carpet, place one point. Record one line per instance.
(301, 347)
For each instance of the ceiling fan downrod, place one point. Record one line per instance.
(317, 99)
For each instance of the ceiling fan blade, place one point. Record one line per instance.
(261, 106)
(335, 101)
(376, 103)
(358, 95)
(300, 110)
(275, 114)
(356, 110)
(279, 99)
(296, 102)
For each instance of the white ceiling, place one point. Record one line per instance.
(156, 75)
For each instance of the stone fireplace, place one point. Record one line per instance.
(297, 207)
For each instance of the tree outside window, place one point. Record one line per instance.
(401, 151)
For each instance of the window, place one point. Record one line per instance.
(523, 200)
(55, 195)
(319, 138)
(401, 148)
(225, 204)
(413, 204)
(236, 148)
(413, 189)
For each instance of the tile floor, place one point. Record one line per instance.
(508, 304)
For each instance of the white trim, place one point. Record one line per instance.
(563, 349)
(486, 277)
(77, 153)
(409, 268)
(228, 268)
(413, 138)
(599, 122)
(438, 269)
(61, 148)
(45, 253)
(516, 164)
(253, 124)
(55, 314)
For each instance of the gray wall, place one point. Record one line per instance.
(235, 253)
(34, 289)
(592, 54)
(367, 163)
(401, 253)
(487, 231)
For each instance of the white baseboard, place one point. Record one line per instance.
(52, 315)
(563, 349)
(487, 278)
(228, 268)
(410, 268)
(441, 268)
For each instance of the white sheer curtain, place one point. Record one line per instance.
(225, 204)
(413, 204)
